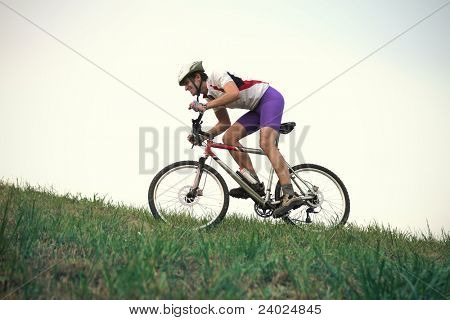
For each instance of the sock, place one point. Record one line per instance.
(288, 189)
(250, 176)
(254, 175)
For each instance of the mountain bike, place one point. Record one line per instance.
(193, 194)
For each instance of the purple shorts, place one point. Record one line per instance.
(267, 113)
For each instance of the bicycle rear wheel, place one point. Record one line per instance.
(331, 206)
(169, 198)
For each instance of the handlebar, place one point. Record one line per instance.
(197, 130)
(199, 118)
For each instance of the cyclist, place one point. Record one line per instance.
(223, 90)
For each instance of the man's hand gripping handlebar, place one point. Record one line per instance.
(197, 136)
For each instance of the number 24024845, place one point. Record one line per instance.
(286, 309)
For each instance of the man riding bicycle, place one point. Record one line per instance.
(224, 90)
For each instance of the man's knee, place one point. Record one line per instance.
(266, 144)
(232, 137)
(229, 139)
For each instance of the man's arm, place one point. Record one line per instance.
(223, 124)
(231, 94)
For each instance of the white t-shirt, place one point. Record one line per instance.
(250, 91)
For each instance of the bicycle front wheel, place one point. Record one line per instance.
(331, 205)
(170, 199)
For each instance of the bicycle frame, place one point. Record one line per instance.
(253, 194)
(263, 201)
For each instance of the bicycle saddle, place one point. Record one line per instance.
(287, 127)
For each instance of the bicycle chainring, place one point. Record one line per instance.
(264, 213)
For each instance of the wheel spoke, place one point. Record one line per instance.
(207, 197)
(168, 201)
(332, 205)
(170, 189)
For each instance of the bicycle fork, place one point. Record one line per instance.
(195, 191)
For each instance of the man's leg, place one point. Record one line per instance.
(271, 108)
(231, 137)
(268, 137)
(290, 199)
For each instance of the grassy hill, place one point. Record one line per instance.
(69, 247)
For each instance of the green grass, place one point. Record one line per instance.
(70, 247)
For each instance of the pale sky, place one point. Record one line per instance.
(382, 127)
